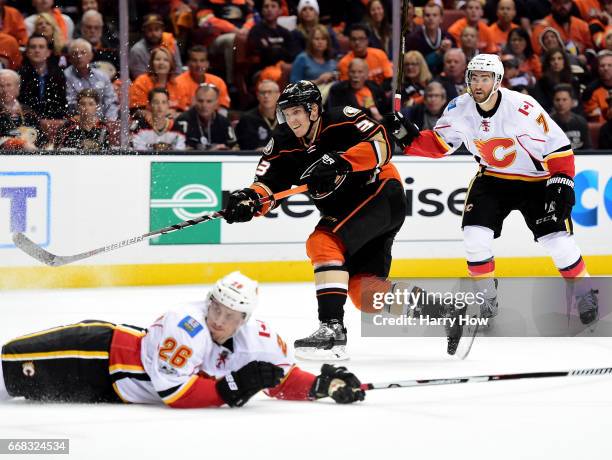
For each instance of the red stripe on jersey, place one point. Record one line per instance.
(125, 349)
(426, 145)
(201, 393)
(562, 165)
(576, 270)
(295, 386)
(481, 269)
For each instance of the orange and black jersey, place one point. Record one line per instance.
(346, 130)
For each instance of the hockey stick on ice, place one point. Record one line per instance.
(485, 378)
(40, 254)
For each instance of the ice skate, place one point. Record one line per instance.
(588, 308)
(327, 343)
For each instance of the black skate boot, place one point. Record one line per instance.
(454, 331)
(327, 342)
(588, 307)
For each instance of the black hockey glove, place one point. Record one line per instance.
(559, 198)
(322, 178)
(241, 385)
(242, 205)
(337, 383)
(403, 131)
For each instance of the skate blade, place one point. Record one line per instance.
(466, 342)
(337, 353)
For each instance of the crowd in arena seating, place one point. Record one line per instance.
(205, 74)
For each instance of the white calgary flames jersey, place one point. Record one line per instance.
(516, 141)
(178, 349)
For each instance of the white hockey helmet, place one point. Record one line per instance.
(486, 63)
(237, 292)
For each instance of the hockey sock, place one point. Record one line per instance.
(331, 282)
(562, 247)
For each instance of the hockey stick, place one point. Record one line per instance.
(47, 258)
(485, 378)
(399, 77)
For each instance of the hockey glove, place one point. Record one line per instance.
(337, 383)
(402, 130)
(559, 198)
(323, 177)
(241, 385)
(242, 205)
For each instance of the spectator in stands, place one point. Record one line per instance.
(601, 26)
(519, 45)
(307, 20)
(154, 37)
(380, 68)
(587, 9)
(43, 86)
(574, 125)
(203, 127)
(155, 129)
(453, 76)
(473, 17)
(19, 125)
(161, 74)
(316, 63)
(556, 69)
(10, 56)
(46, 26)
(81, 75)
(416, 78)
(270, 41)
(191, 79)
(605, 133)
(103, 40)
(468, 42)
(597, 95)
(429, 39)
(506, 12)
(85, 131)
(218, 22)
(359, 92)
(573, 30)
(63, 21)
(513, 76)
(550, 39)
(255, 127)
(12, 23)
(427, 114)
(380, 28)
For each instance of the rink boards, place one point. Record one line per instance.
(74, 203)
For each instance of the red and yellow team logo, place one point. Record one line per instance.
(497, 151)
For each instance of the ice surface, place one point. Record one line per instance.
(556, 418)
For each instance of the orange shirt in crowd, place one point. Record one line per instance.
(596, 107)
(9, 49)
(379, 65)
(533, 65)
(13, 24)
(365, 98)
(500, 37)
(189, 87)
(486, 43)
(139, 93)
(59, 19)
(578, 32)
(587, 8)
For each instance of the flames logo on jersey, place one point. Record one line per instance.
(497, 151)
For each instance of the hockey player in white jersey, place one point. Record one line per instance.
(205, 354)
(525, 163)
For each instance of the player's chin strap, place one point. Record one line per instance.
(493, 91)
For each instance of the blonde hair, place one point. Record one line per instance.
(425, 75)
(323, 30)
(57, 40)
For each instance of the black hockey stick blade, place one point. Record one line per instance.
(485, 378)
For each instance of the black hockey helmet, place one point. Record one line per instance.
(303, 93)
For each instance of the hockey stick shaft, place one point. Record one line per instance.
(40, 254)
(485, 378)
(399, 82)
